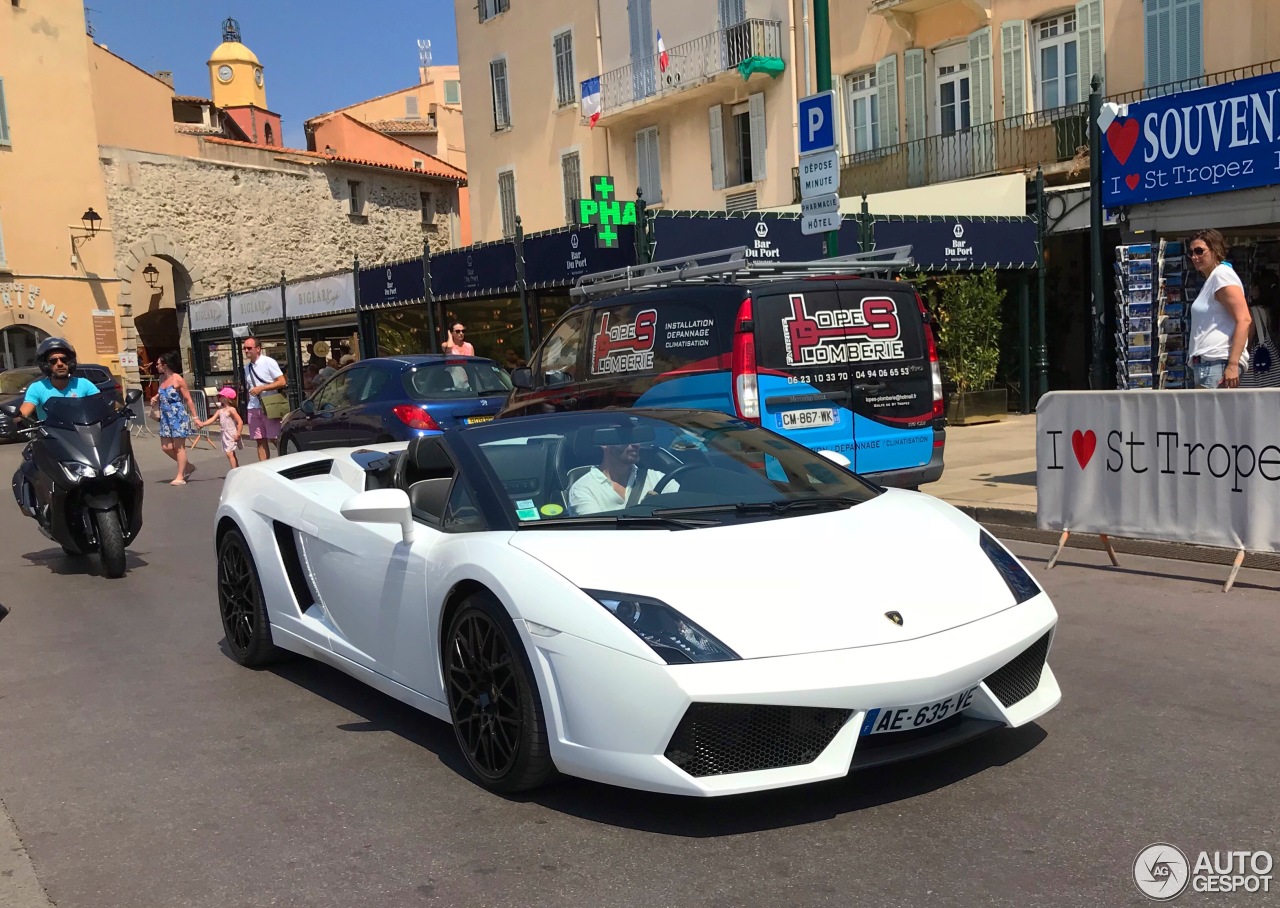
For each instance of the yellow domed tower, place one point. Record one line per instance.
(237, 86)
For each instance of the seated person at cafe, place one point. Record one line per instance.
(620, 481)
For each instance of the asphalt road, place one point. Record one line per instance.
(142, 767)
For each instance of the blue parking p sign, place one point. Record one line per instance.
(818, 122)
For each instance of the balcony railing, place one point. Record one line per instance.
(1005, 146)
(691, 62)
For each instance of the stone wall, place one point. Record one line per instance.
(251, 213)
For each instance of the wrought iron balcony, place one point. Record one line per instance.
(690, 63)
(1004, 146)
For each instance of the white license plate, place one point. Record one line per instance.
(808, 419)
(909, 718)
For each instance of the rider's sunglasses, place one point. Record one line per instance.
(58, 359)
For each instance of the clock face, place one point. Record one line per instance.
(257, 77)
(224, 73)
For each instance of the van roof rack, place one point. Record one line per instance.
(733, 266)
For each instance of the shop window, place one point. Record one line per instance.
(501, 95)
(452, 91)
(1174, 42)
(507, 200)
(571, 177)
(566, 86)
(1057, 68)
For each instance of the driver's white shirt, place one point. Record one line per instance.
(593, 491)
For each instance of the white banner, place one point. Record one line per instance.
(321, 295)
(208, 314)
(1182, 466)
(257, 306)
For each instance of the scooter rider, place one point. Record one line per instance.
(57, 360)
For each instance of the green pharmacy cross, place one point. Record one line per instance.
(605, 212)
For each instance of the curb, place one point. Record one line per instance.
(1010, 523)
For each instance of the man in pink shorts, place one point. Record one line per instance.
(261, 375)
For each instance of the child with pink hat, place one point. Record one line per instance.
(232, 424)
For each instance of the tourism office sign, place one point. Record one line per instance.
(1208, 140)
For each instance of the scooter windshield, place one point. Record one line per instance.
(79, 411)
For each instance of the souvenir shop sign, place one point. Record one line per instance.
(474, 271)
(560, 258)
(1192, 143)
(766, 238)
(321, 295)
(1182, 466)
(948, 244)
(392, 285)
(262, 305)
(205, 315)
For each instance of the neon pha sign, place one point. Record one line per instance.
(605, 212)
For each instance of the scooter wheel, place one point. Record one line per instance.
(110, 543)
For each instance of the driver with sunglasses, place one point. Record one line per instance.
(57, 360)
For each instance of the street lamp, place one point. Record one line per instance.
(152, 275)
(91, 219)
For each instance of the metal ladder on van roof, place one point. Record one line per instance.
(733, 266)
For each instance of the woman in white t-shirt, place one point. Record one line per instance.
(1219, 317)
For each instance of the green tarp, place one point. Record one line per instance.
(774, 66)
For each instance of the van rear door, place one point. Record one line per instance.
(844, 366)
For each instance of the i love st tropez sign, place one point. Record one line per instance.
(1192, 143)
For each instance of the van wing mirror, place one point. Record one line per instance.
(381, 506)
(522, 378)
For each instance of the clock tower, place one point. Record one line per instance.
(237, 86)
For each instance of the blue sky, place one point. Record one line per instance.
(316, 56)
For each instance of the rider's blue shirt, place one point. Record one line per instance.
(40, 391)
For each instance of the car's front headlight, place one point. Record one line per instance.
(670, 634)
(119, 465)
(1020, 583)
(77, 471)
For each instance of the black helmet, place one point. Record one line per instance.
(49, 345)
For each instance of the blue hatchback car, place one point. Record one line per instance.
(395, 398)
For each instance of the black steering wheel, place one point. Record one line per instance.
(666, 479)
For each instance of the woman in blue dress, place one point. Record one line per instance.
(177, 413)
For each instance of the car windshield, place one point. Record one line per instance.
(456, 380)
(672, 469)
(15, 381)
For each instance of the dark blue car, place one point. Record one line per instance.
(395, 398)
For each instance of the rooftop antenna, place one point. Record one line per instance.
(88, 20)
(231, 31)
(424, 52)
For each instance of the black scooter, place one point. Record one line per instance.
(79, 479)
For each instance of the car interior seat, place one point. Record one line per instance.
(439, 381)
(577, 456)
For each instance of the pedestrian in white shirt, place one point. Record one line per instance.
(1220, 317)
(262, 375)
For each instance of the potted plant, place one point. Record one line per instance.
(968, 320)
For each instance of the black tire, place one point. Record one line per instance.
(242, 604)
(110, 542)
(493, 699)
(288, 446)
(72, 552)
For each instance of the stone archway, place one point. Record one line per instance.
(136, 298)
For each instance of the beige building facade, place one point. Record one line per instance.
(689, 131)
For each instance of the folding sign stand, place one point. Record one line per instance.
(1111, 553)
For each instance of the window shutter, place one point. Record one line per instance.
(1188, 62)
(411, 107)
(1159, 42)
(4, 120)
(917, 111)
(3, 260)
(759, 136)
(887, 89)
(501, 108)
(648, 169)
(1089, 45)
(1013, 66)
(715, 129)
(983, 101)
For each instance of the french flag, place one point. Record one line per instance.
(663, 60)
(591, 100)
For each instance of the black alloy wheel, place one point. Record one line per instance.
(242, 604)
(493, 700)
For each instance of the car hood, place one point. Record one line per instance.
(797, 584)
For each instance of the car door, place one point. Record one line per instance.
(558, 370)
(365, 413)
(370, 583)
(325, 425)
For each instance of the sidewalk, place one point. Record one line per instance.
(991, 467)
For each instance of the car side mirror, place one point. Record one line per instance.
(132, 396)
(9, 409)
(837, 457)
(381, 506)
(522, 378)
(308, 406)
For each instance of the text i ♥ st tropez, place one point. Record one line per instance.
(1208, 140)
